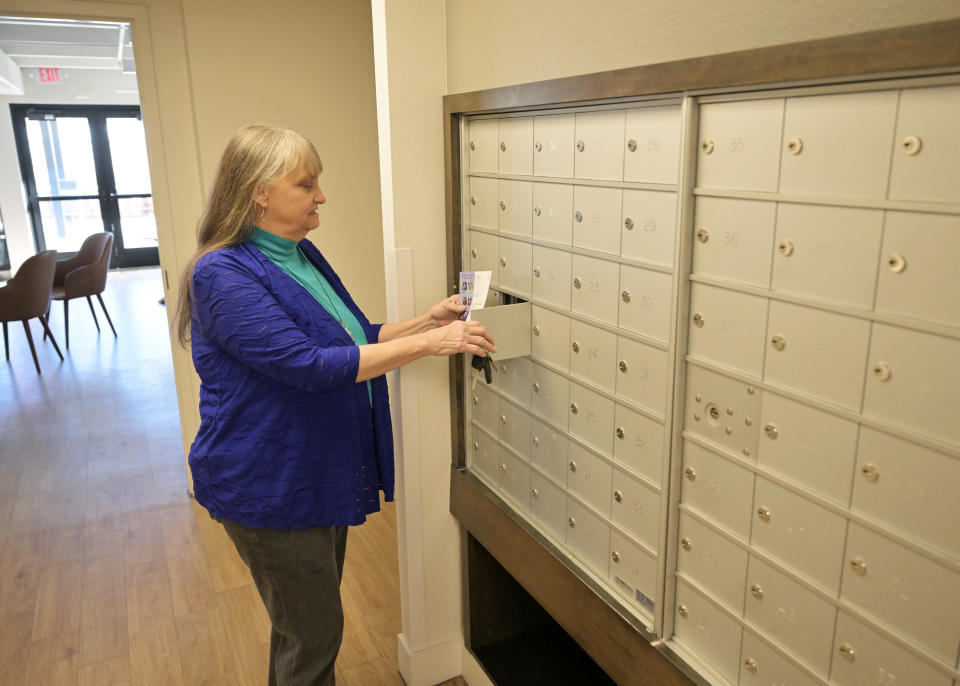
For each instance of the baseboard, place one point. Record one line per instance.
(471, 670)
(430, 666)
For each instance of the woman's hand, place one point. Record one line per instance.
(461, 337)
(446, 311)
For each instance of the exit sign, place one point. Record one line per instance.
(49, 74)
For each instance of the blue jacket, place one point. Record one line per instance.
(287, 439)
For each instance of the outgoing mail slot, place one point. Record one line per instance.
(638, 443)
(515, 148)
(723, 411)
(484, 198)
(588, 536)
(593, 354)
(515, 207)
(589, 477)
(910, 488)
(810, 446)
(652, 145)
(716, 563)
(553, 145)
(903, 589)
(838, 145)
(828, 253)
(804, 535)
(716, 486)
(920, 267)
(551, 337)
(790, 614)
(599, 147)
(818, 352)
(482, 144)
(553, 212)
(551, 276)
(926, 165)
(707, 632)
(641, 372)
(648, 226)
(645, 302)
(913, 380)
(740, 145)
(596, 218)
(733, 239)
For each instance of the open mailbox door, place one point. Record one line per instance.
(510, 327)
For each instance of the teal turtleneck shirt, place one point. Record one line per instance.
(287, 255)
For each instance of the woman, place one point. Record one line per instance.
(295, 442)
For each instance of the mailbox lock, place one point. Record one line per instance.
(778, 342)
(503, 367)
(503, 468)
(682, 611)
(503, 261)
(622, 365)
(476, 446)
(714, 412)
(536, 331)
(580, 146)
(535, 441)
(503, 146)
(578, 215)
(703, 235)
(503, 419)
(882, 371)
(473, 253)
(859, 565)
(698, 320)
(473, 200)
(764, 513)
(686, 543)
(573, 408)
(575, 347)
(691, 473)
(618, 496)
(795, 146)
(535, 493)
(572, 522)
(577, 283)
(757, 591)
(911, 145)
(847, 651)
(536, 388)
(786, 248)
(870, 472)
(897, 263)
(620, 432)
(536, 211)
(473, 146)
(707, 147)
(625, 296)
(632, 145)
(771, 431)
(536, 272)
(751, 665)
(615, 556)
(503, 205)
(628, 224)
(538, 146)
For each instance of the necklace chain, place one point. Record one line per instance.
(336, 312)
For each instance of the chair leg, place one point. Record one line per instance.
(109, 321)
(66, 324)
(33, 351)
(48, 332)
(6, 341)
(90, 303)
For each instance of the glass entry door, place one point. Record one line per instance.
(85, 171)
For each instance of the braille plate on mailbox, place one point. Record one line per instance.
(510, 327)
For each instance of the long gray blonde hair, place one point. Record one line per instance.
(256, 157)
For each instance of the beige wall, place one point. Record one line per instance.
(502, 42)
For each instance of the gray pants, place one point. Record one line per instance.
(298, 573)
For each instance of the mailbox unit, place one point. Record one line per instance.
(733, 410)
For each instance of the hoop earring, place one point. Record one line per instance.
(263, 213)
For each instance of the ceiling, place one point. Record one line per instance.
(67, 44)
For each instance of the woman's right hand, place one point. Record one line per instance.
(461, 337)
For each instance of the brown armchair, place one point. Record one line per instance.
(82, 276)
(27, 295)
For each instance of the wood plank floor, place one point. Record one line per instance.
(109, 573)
